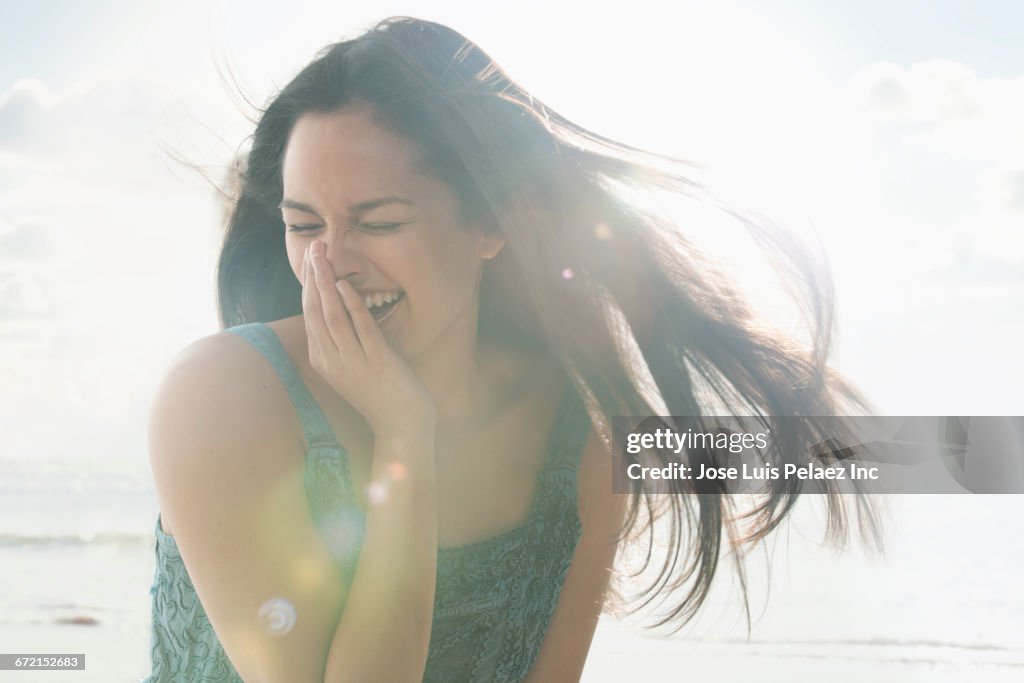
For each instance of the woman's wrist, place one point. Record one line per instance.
(416, 433)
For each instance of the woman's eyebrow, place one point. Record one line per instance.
(354, 209)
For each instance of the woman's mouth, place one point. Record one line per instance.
(386, 309)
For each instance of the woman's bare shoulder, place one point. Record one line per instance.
(225, 362)
(218, 408)
(222, 382)
(221, 365)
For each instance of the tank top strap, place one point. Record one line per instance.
(571, 430)
(315, 427)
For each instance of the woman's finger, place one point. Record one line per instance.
(335, 314)
(307, 306)
(370, 336)
(320, 340)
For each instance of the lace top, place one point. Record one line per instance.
(493, 598)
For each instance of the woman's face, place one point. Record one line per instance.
(386, 226)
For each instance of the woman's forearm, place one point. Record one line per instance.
(384, 631)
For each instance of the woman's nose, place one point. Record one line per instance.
(340, 255)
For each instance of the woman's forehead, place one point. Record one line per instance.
(345, 141)
(347, 156)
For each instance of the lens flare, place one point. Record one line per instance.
(277, 616)
(377, 492)
(396, 471)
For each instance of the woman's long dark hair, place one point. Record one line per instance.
(641, 323)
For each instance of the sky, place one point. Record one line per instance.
(888, 131)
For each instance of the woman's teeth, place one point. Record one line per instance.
(382, 305)
(380, 298)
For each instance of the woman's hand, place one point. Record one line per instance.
(348, 349)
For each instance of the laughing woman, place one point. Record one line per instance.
(393, 464)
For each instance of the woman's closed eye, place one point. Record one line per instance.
(303, 228)
(367, 227)
(380, 227)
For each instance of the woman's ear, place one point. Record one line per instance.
(491, 242)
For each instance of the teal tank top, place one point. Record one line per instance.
(493, 600)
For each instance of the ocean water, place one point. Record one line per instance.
(76, 563)
(945, 603)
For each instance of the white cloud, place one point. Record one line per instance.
(930, 91)
(93, 119)
(956, 138)
(957, 112)
(27, 242)
(1003, 187)
(105, 257)
(24, 296)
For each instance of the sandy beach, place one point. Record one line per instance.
(114, 655)
(944, 604)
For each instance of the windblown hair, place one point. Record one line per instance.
(639, 320)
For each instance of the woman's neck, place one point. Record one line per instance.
(469, 379)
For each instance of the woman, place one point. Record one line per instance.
(393, 463)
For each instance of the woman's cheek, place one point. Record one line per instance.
(295, 254)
